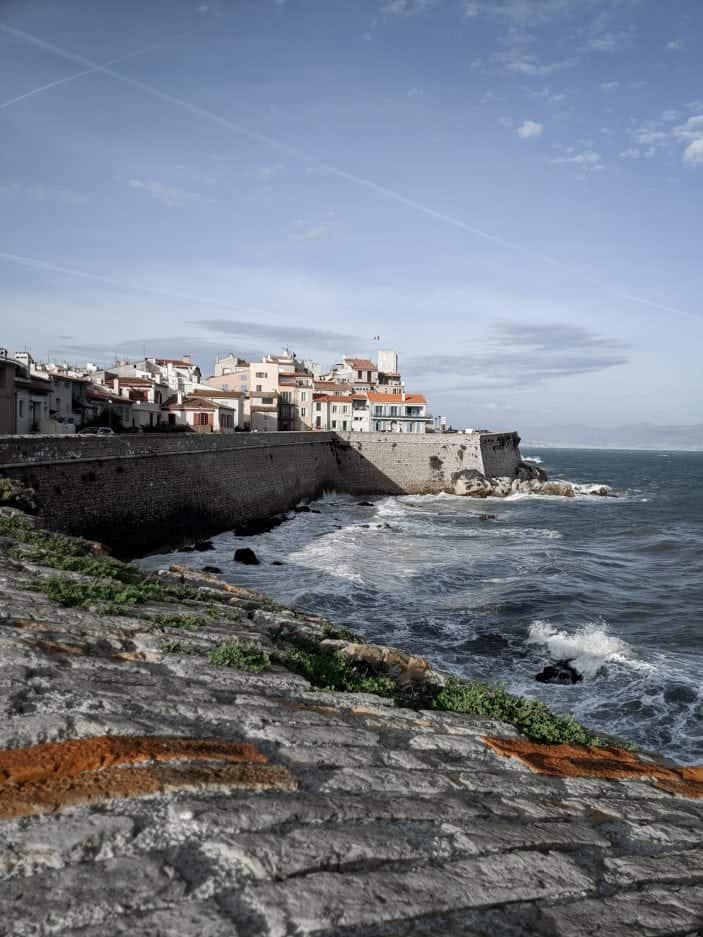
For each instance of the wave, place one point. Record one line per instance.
(588, 649)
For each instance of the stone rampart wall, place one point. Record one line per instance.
(138, 492)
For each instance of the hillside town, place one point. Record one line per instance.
(277, 393)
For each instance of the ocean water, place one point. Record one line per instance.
(615, 585)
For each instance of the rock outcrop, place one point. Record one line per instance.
(528, 479)
(146, 789)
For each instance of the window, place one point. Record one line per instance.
(258, 388)
(359, 375)
(21, 407)
(344, 424)
(334, 424)
(267, 401)
(334, 408)
(286, 396)
(202, 419)
(378, 411)
(318, 407)
(225, 387)
(302, 411)
(317, 422)
(303, 395)
(263, 374)
(58, 404)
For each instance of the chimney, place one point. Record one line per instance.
(186, 358)
(116, 385)
(179, 396)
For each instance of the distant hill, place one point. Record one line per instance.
(629, 436)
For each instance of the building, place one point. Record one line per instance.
(228, 400)
(199, 414)
(8, 394)
(333, 412)
(404, 414)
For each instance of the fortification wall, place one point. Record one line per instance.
(138, 492)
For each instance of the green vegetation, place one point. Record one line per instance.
(531, 717)
(77, 594)
(14, 494)
(332, 671)
(187, 622)
(240, 656)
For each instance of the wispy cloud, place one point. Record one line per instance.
(691, 133)
(609, 42)
(41, 192)
(530, 128)
(167, 195)
(316, 232)
(584, 159)
(283, 334)
(522, 354)
(674, 45)
(609, 85)
(406, 7)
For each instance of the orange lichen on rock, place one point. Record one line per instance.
(73, 757)
(581, 761)
(44, 778)
(51, 794)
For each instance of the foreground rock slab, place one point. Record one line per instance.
(146, 791)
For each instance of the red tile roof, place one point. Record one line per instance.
(216, 393)
(361, 364)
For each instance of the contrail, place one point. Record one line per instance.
(94, 67)
(361, 181)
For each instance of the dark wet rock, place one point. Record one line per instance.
(203, 545)
(559, 672)
(365, 504)
(211, 569)
(189, 548)
(366, 526)
(261, 525)
(487, 517)
(315, 511)
(302, 509)
(246, 556)
(486, 643)
(277, 563)
(528, 471)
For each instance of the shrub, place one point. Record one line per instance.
(240, 656)
(332, 671)
(531, 717)
(14, 494)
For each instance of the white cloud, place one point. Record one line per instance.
(406, 7)
(530, 128)
(691, 133)
(586, 159)
(609, 85)
(674, 45)
(528, 66)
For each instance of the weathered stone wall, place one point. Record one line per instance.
(136, 492)
(388, 462)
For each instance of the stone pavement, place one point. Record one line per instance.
(144, 790)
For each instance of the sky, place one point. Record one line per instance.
(508, 192)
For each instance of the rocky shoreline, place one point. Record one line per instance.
(529, 479)
(180, 755)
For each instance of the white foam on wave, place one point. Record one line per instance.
(588, 648)
(532, 458)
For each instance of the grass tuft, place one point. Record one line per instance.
(240, 656)
(531, 717)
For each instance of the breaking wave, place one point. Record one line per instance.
(588, 649)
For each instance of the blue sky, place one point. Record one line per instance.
(509, 193)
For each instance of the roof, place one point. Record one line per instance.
(264, 408)
(190, 403)
(361, 364)
(326, 398)
(215, 392)
(376, 397)
(175, 361)
(106, 396)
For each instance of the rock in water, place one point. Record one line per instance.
(211, 569)
(203, 545)
(471, 484)
(301, 509)
(560, 672)
(528, 471)
(562, 489)
(247, 556)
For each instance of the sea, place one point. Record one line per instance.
(497, 589)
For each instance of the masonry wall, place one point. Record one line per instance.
(136, 493)
(139, 492)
